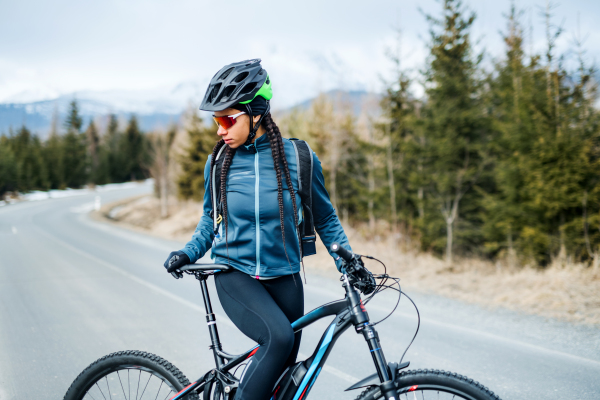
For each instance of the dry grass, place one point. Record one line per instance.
(564, 291)
(142, 214)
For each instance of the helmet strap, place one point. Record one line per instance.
(254, 128)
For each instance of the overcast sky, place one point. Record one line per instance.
(62, 46)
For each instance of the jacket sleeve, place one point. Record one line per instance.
(203, 236)
(327, 224)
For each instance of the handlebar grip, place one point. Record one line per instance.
(342, 252)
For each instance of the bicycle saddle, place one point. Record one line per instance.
(205, 267)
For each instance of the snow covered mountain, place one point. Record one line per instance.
(154, 108)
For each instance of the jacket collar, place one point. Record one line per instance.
(260, 143)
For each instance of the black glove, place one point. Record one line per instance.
(176, 260)
(366, 281)
(360, 277)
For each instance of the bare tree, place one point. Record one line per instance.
(161, 144)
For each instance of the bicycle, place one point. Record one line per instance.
(390, 382)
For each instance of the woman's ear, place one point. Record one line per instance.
(256, 118)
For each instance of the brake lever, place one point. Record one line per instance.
(176, 274)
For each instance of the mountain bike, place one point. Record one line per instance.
(140, 375)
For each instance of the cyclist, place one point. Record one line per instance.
(255, 229)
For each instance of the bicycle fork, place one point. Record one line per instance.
(361, 322)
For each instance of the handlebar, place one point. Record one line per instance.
(348, 256)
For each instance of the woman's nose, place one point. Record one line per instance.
(221, 131)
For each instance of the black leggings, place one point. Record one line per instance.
(263, 311)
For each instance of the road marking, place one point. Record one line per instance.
(222, 318)
(127, 234)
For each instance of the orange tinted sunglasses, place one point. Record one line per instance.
(227, 121)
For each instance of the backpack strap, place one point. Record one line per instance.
(215, 182)
(304, 158)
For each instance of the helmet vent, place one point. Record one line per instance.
(241, 77)
(225, 74)
(248, 88)
(227, 92)
(214, 92)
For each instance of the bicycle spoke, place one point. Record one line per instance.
(90, 395)
(160, 387)
(101, 392)
(108, 386)
(121, 385)
(144, 391)
(138, 386)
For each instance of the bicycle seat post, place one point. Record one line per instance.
(211, 321)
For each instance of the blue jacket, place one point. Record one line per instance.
(254, 230)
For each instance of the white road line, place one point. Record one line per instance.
(221, 318)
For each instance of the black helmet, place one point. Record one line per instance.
(235, 83)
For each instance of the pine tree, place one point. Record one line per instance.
(74, 154)
(111, 153)
(31, 170)
(93, 151)
(508, 215)
(202, 140)
(53, 156)
(403, 159)
(53, 159)
(135, 152)
(454, 124)
(8, 167)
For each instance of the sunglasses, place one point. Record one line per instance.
(227, 121)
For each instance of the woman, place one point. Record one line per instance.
(256, 223)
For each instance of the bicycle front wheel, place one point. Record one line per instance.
(433, 384)
(128, 375)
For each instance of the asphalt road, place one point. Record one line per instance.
(73, 290)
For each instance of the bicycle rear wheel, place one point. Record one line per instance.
(126, 375)
(433, 384)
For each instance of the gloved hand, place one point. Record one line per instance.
(366, 281)
(176, 260)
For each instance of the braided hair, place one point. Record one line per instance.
(279, 163)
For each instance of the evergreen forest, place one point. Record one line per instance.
(498, 158)
(73, 156)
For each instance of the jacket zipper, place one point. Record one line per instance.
(257, 211)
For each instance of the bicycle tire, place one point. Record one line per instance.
(95, 378)
(419, 382)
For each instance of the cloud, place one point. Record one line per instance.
(67, 46)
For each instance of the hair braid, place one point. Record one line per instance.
(278, 152)
(216, 149)
(229, 153)
(276, 164)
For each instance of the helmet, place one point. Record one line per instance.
(235, 83)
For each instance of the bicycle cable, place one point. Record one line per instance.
(381, 287)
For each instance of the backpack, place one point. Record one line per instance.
(304, 161)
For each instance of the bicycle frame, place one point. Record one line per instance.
(348, 311)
